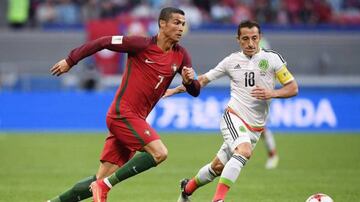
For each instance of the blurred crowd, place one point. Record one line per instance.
(35, 13)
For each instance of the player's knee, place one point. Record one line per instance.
(245, 153)
(244, 150)
(160, 155)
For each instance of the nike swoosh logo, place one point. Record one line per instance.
(134, 169)
(149, 61)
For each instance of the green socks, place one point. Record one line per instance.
(139, 163)
(78, 192)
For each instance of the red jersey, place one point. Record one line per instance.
(148, 74)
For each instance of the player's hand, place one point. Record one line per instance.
(188, 75)
(169, 92)
(261, 93)
(172, 91)
(60, 67)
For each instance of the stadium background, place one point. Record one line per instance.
(321, 46)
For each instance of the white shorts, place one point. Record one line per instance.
(234, 132)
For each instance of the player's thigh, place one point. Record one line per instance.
(235, 132)
(132, 132)
(115, 153)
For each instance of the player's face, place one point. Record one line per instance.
(174, 27)
(249, 40)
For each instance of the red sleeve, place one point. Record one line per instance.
(194, 87)
(114, 43)
(186, 60)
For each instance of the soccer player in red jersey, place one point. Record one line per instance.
(151, 66)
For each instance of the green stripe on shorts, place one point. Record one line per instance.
(133, 131)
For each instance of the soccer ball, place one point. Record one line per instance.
(319, 197)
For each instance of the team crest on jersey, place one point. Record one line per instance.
(174, 67)
(263, 65)
(147, 132)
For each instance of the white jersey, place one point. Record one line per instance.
(245, 74)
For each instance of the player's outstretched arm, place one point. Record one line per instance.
(60, 68)
(203, 81)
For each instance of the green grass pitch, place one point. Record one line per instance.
(38, 167)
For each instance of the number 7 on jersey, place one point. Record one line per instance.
(161, 78)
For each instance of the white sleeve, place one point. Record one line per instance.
(278, 61)
(219, 71)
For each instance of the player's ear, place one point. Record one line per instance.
(162, 23)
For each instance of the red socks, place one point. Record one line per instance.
(221, 191)
(191, 186)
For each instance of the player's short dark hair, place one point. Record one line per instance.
(248, 24)
(165, 13)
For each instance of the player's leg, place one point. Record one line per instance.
(155, 152)
(112, 152)
(232, 170)
(241, 141)
(273, 158)
(205, 175)
(113, 156)
(136, 135)
(78, 192)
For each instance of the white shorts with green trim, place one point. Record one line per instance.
(234, 133)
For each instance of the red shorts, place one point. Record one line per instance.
(126, 136)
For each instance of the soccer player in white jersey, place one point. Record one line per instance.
(252, 72)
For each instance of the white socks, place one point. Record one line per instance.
(232, 169)
(205, 175)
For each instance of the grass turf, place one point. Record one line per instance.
(38, 167)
